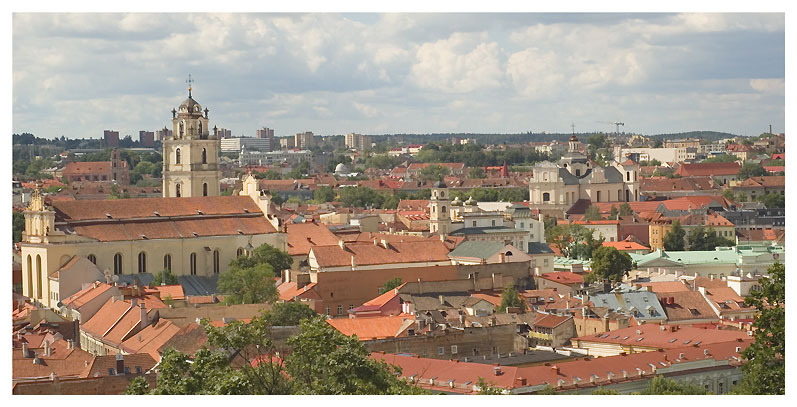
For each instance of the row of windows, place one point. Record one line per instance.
(178, 189)
(167, 261)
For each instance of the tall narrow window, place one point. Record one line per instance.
(193, 264)
(117, 263)
(92, 258)
(167, 262)
(204, 156)
(177, 157)
(240, 252)
(178, 190)
(205, 189)
(216, 261)
(39, 276)
(142, 262)
(30, 277)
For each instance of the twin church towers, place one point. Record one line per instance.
(191, 153)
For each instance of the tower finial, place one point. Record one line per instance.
(190, 82)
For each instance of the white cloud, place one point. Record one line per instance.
(461, 63)
(768, 85)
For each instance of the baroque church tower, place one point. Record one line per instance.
(191, 155)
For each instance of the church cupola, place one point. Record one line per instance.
(191, 155)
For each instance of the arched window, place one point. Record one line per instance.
(92, 258)
(178, 190)
(546, 196)
(142, 262)
(30, 277)
(204, 155)
(508, 253)
(619, 195)
(117, 263)
(167, 262)
(598, 196)
(205, 189)
(443, 212)
(578, 172)
(177, 157)
(200, 133)
(182, 129)
(216, 261)
(192, 263)
(240, 252)
(39, 276)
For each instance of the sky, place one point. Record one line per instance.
(78, 74)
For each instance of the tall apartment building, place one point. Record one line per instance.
(267, 134)
(235, 144)
(358, 141)
(110, 138)
(287, 143)
(163, 134)
(223, 133)
(146, 138)
(304, 140)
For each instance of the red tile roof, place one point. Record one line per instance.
(115, 321)
(101, 364)
(686, 305)
(664, 336)
(88, 167)
(370, 254)
(287, 291)
(372, 328)
(665, 286)
(626, 246)
(63, 362)
(302, 236)
(82, 297)
(708, 169)
(151, 338)
(550, 320)
(771, 181)
(563, 277)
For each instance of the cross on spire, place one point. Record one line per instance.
(190, 82)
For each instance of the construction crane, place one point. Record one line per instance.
(617, 126)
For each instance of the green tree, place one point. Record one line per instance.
(137, 386)
(324, 194)
(17, 225)
(625, 209)
(772, 200)
(270, 174)
(592, 213)
(614, 213)
(674, 238)
(548, 390)
(170, 279)
(765, 370)
(476, 173)
(289, 313)
(700, 238)
(660, 385)
(389, 285)
(721, 158)
(299, 172)
(610, 264)
(265, 254)
(248, 285)
(605, 392)
(434, 173)
(511, 298)
(488, 389)
(360, 197)
(751, 170)
(381, 161)
(324, 361)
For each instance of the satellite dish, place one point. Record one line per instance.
(115, 278)
(107, 274)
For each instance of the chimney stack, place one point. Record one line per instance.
(47, 350)
(120, 363)
(342, 244)
(420, 286)
(25, 353)
(143, 319)
(442, 299)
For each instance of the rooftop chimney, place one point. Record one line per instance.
(47, 349)
(442, 299)
(120, 363)
(143, 319)
(342, 244)
(497, 370)
(25, 353)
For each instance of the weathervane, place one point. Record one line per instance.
(189, 82)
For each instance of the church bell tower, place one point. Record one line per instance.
(191, 154)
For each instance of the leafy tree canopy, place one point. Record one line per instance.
(164, 275)
(511, 298)
(674, 238)
(751, 170)
(389, 285)
(610, 264)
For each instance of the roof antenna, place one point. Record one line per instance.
(190, 83)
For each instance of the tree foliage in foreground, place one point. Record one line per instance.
(608, 263)
(250, 279)
(238, 360)
(765, 370)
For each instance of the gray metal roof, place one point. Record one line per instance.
(539, 248)
(485, 230)
(479, 250)
(199, 285)
(139, 278)
(645, 304)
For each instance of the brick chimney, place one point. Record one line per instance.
(120, 363)
(144, 321)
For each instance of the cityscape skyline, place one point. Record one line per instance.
(79, 74)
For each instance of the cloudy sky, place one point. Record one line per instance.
(78, 74)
